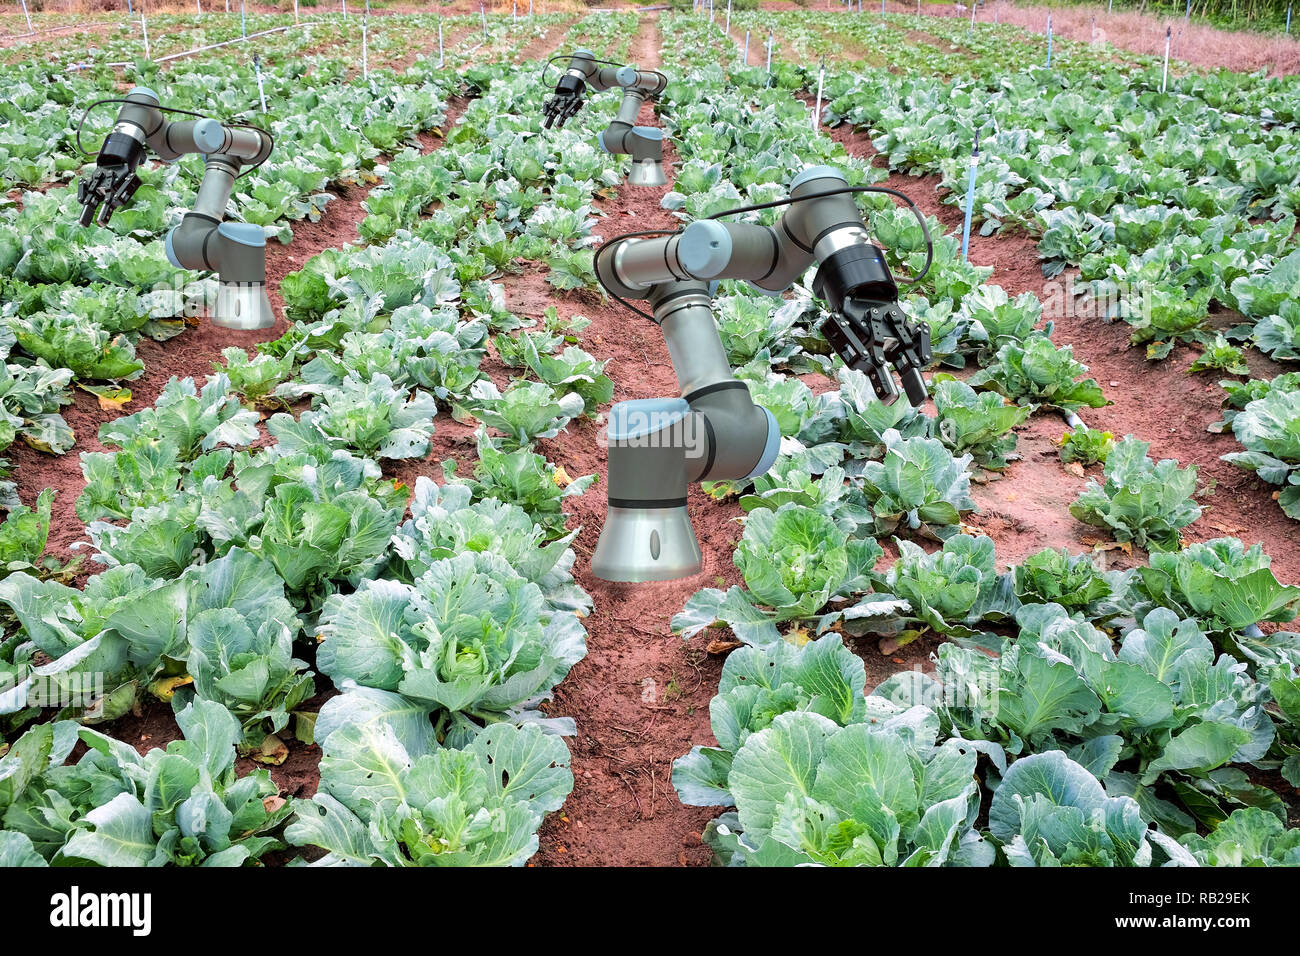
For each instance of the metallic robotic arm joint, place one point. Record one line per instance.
(203, 240)
(643, 143)
(714, 431)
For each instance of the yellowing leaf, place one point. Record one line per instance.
(164, 687)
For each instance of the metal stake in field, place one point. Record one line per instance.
(973, 7)
(970, 199)
(1110, 7)
(295, 11)
(769, 58)
(345, 9)
(261, 90)
(483, 13)
(227, 6)
(514, 12)
(129, 12)
(144, 27)
(817, 110)
(918, 7)
(365, 48)
(1092, 30)
(1288, 19)
(882, 7)
(29, 18)
(1187, 17)
(243, 17)
(727, 31)
(198, 7)
(746, 48)
(442, 59)
(1164, 77)
(1049, 41)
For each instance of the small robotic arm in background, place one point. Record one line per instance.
(643, 143)
(203, 240)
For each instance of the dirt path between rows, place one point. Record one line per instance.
(641, 695)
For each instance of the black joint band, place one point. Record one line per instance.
(785, 227)
(713, 446)
(776, 254)
(652, 503)
(715, 387)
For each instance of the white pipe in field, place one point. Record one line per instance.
(261, 90)
(1164, 78)
(817, 111)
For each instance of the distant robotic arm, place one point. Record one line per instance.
(643, 143)
(714, 431)
(203, 240)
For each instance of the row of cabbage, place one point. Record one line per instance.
(444, 632)
(1084, 742)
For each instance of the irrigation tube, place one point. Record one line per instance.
(817, 110)
(261, 90)
(201, 49)
(69, 26)
(970, 200)
(1164, 77)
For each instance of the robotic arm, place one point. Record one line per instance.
(715, 431)
(236, 251)
(643, 143)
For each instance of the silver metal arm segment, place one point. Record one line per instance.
(203, 240)
(714, 431)
(867, 328)
(643, 143)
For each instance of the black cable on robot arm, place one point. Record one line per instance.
(569, 56)
(789, 200)
(81, 123)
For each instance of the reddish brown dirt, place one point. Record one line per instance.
(641, 695)
(1159, 402)
(1199, 44)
